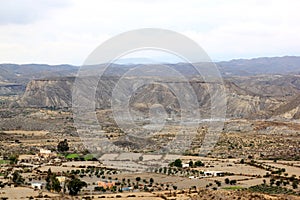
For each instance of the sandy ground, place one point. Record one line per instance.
(18, 192)
(81, 163)
(68, 166)
(132, 196)
(57, 168)
(180, 182)
(234, 168)
(21, 193)
(252, 182)
(21, 132)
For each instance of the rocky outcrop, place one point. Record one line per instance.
(48, 93)
(243, 100)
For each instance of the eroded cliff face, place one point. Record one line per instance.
(48, 93)
(289, 109)
(241, 102)
(57, 92)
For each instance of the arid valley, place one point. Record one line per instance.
(255, 156)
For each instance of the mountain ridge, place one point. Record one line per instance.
(235, 67)
(256, 88)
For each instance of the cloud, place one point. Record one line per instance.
(55, 31)
(27, 11)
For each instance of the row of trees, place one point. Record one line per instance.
(231, 182)
(280, 182)
(276, 172)
(178, 163)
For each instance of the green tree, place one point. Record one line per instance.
(165, 170)
(13, 159)
(48, 179)
(198, 163)
(52, 183)
(17, 178)
(56, 184)
(178, 163)
(138, 179)
(278, 183)
(295, 184)
(75, 185)
(218, 183)
(227, 180)
(63, 146)
(272, 181)
(191, 163)
(151, 181)
(232, 182)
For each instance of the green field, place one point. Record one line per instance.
(72, 156)
(233, 188)
(88, 157)
(77, 156)
(4, 162)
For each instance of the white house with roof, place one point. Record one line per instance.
(37, 185)
(213, 173)
(46, 153)
(185, 165)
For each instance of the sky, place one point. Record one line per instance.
(67, 31)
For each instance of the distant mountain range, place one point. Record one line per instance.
(266, 65)
(13, 73)
(22, 74)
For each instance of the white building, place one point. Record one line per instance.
(185, 165)
(214, 173)
(37, 185)
(45, 151)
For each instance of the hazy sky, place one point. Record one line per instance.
(57, 31)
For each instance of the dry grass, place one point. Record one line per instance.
(30, 133)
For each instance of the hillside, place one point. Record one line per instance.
(264, 65)
(246, 98)
(256, 88)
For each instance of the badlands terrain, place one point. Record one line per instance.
(257, 148)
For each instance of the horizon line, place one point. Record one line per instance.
(160, 62)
